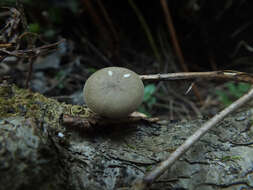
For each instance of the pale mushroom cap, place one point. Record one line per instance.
(113, 92)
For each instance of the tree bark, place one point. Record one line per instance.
(38, 152)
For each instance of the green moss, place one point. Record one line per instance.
(131, 146)
(20, 102)
(148, 168)
(230, 158)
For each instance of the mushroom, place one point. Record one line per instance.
(113, 92)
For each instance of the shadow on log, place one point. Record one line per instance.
(38, 152)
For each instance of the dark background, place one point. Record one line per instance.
(212, 35)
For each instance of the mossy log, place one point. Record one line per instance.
(38, 150)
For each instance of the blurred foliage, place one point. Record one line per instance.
(136, 24)
(146, 29)
(148, 100)
(91, 70)
(45, 17)
(59, 76)
(12, 2)
(233, 92)
(34, 27)
(139, 21)
(149, 90)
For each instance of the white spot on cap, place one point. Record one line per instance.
(110, 73)
(127, 75)
(61, 135)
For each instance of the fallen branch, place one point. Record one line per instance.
(227, 75)
(166, 164)
(88, 123)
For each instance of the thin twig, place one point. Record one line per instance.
(32, 52)
(163, 166)
(30, 41)
(146, 30)
(29, 74)
(97, 52)
(173, 35)
(103, 30)
(175, 43)
(22, 14)
(225, 75)
(115, 36)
